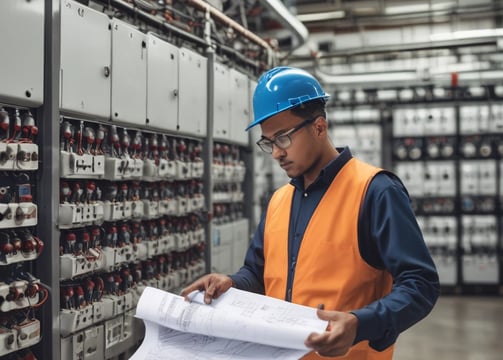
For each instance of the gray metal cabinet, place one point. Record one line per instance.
(85, 60)
(22, 63)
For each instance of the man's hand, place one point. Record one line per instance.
(340, 334)
(213, 286)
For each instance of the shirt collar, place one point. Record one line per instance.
(328, 173)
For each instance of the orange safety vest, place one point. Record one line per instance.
(329, 268)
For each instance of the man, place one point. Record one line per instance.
(342, 233)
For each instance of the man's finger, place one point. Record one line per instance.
(208, 295)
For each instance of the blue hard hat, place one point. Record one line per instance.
(283, 88)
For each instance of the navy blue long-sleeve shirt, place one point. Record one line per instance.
(388, 237)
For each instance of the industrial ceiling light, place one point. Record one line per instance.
(467, 34)
(321, 16)
(367, 78)
(419, 7)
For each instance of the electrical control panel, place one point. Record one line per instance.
(22, 294)
(359, 128)
(136, 221)
(424, 152)
(22, 67)
(231, 229)
(447, 154)
(117, 163)
(444, 144)
(85, 60)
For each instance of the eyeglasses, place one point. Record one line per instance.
(282, 141)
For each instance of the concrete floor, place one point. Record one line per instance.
(458, 328)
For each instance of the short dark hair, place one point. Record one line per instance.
(310, 109)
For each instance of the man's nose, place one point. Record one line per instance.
(277, 152)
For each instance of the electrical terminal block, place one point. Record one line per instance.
(163, 207)
(121, 303)
(72, 346)
(140, 251)
(18, 246)
(8, 341)
(190, 205)
(137, 211)
(19, 335)
(28, 333)
(196, 270)
(182, 205)
(168, 207)
(94, 299)
(150, 170)
(228, 173)
(78, 215)
(19, 294)
(117, 210)
(124, 254)
(73, 320)
(164, 282)
(197, 169)
(182, 241)
(196, 203)
(150, 209)
(191, 238)
(129, 319)
(94, 343)
(218, 172)
(105, 308)
(114, 305)
(162, 168)
(154, 282)
(114, 256)
(183, 170)
(73, 265)
(183, 276)
(239, 173)
(8, 155)
(172, 281)
(99, 311)
(114, 329)
(195, 237)
(177, 281)
(136, 168)
(85, 166)
(118, 168)
(199, 236)
(237, 196)
(136, 293)
(26, 157)
(152, 247)
(17, 257)
(13, 215)
(166, 243)
(167, 169)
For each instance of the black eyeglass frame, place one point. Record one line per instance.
(270, 142)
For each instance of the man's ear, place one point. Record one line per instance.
(320, 125)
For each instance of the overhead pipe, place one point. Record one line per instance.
(225, 20)
(407, 77)
(155, 22)
(288, 20)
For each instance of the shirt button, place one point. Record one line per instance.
(305, 194)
